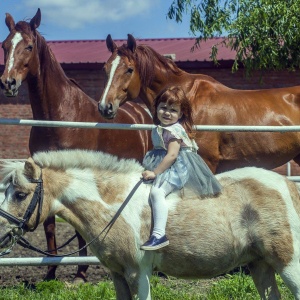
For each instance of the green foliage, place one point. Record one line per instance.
(265, 34)
(241, 286)
(235, 287)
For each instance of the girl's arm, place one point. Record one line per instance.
(166, 163)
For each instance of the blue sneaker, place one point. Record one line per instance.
(154, 243)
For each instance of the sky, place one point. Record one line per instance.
(95, 19)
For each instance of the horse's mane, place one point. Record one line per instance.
(46, 56)
(81, 159)
(146, 60)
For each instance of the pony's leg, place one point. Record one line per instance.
(144, 290)
(263, 276)
(80, 276)
(121, 287)
(139, 283)
(291, 277)
(49, 228)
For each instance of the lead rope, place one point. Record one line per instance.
(24, 243)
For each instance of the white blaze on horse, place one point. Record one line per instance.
(254, 222)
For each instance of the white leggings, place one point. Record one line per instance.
(160, 208)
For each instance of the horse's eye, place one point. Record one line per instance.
(129, 70)
(29, 48)
(20, 196)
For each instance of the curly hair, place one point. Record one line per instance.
(175, 95)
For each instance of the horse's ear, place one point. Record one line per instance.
(32, 170)
(36, 20)
(9, 21)
(111, 46)
(131, 43)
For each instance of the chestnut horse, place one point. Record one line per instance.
(139, 71)
(53, 96)
(257, 213)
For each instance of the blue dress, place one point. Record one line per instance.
(189, 170)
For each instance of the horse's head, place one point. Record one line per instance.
(19, 49)
(21, 209)
(123, 78)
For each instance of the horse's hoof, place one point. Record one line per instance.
(49, 277)
(79, 280)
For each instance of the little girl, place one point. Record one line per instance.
(174, 162)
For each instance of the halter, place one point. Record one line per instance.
(21, 224)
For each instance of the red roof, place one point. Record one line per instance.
(95, 51)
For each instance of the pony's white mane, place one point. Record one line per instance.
(81, 159)
(69, 159)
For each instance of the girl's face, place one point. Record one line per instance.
(168, 114)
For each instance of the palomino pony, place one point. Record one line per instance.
(139, 71)
(53, 96)
(258, 220)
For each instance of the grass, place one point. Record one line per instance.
(234, 287)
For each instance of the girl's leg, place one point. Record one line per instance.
(158, 238)
(160, 208)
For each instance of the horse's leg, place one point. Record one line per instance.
(263, 276)
(80, 276)
(49, 228)
(291, 277)
(121, 287)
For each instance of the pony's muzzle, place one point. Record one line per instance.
(5, 240)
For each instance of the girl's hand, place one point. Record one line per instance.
(148, 175)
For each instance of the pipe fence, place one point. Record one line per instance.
(92, 260)
(95, 125)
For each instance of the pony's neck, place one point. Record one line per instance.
(70, 204)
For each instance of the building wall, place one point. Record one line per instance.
(14, 139)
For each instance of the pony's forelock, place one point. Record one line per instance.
(11, 171)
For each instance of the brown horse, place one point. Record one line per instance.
(139, 71)
(53, 96)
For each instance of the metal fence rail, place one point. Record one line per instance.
(95, 125)
(47, 261)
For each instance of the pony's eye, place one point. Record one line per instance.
(20, 196)
(29, 48)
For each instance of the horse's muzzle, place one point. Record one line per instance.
(9, 88)
(107, 112)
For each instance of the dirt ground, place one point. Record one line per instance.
(32, 274)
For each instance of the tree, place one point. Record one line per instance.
(265, 34)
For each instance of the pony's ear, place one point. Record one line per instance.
(9, 21)
(131, 43)
(32, 170)
(36, 20)
(111, 46)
